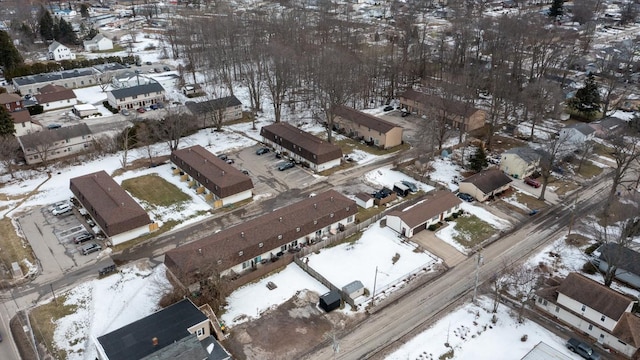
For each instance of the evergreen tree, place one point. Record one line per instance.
(9, 55)
(66, 35)
(84, 10)
(587, 99)
(478, 160)
(46, 25)
(6, 122)
(557, 8)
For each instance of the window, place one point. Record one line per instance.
(584, 307)
(283, 248)
(590, 327)
(350, 218)
(557, 309)
(602, 318)
(240, 253)
(260, 245)
(279, 237)
(200, 332)
(246, 264)
(297, 229)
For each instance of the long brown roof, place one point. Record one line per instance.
(50, 136)
(594, 295)
(449, 105)
(214, 174)
(6, 98)
(21, 116)
(628, 329)
(489, 180)
(110, 205)
(432, 204)
(50, 93)
(364, 119)
(249, 239)
(302, 143)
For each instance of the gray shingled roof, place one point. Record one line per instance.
(451, 106)
(199, 108)
(53, 76)
(31, 141)
(525, 153)
(583, 128)
(624, 257)
(137, 90)
(364, 119)
(489, 180)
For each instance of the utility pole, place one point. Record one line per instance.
(478, 263)
(373, 294)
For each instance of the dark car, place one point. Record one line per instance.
(160, 106)
(166, 68)
(148, 62)
(582, 349)
(388, 108)
(286, 165)
(223, 157)
(141, 110)
(405, 113)
(54, 126)
(157, 70)
(154, 107)
(466, 197)
(86, 236)
(244, 171)
(124, 112)
(262, 151)
(412, 186)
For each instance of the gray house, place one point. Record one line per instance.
(626, 260)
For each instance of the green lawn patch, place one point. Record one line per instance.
(563, 186)
(14, 248)
(155, 190)
(529, 201)
(472, 231)
(43, 322)
(589, 170)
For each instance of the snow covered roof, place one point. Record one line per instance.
(53, 76)
(542, 351)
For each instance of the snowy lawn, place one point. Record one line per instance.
(107, 304)
(249, 301)
(379, 248)
(444, 170)
(472, 335)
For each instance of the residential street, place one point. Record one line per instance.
(377, 335)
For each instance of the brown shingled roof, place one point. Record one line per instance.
(430, 205)
(489, 180)
(449, 105)
(628, 329)
(594, 295)
(214, 174)
(364, 119)
(260, 234)
(112, 207)
(51, 93)
(308, 146)
(6, 98)
(21, 116)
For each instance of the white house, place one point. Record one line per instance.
(429, 210)
(46, 145)
(53, 97)
(519, 162)
(98, 43)
(364, 200)
(59, 52)
(593, 309)
(625, 260)
(23, 123)
(485, 184)
(136, 96)
(576, 134)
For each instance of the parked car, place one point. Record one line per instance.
(154, 107)
(62, 209)
(89, 248)
(141, 110)
(532, 182)
(160, 106)
(286, 165)
(582, 349)
(223, 157)
(412, 186)
(56, 205)
(244, 171)
(85, 236)
(466, 197)
(166, 68)
(125, 112)
(534, 212)
(147, 108)
(157, 70)
(388, 108)
(263, 150)
(230, 161)
(404, 113)
(54, 126)
(148, 62)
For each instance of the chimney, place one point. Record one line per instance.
(331, 198)
(242, 234)
(154, 341)
(315, 206)
(280, 218)
(222, 172)
(200, 251)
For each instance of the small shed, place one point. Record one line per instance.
(401, 189)
(330, 301)
(353, 289)
(84, 110)
(364, 200)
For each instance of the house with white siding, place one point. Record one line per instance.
(59, 52)
(432, 208)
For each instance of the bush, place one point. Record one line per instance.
(35, 109)
(450, 218)
(524, 338)
(589, 250)
(455, 215)
(109, 107)
(432, 227)
(589, 268)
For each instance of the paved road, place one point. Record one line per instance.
(376, 336)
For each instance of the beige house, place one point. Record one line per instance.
(462, 116)
(221, 110)
(369, 128)
(23, 123)
(593, 309)
(136, 96)
(410, 219)
(51, 144)
(519, 162)
(485, 184)
(98, 43)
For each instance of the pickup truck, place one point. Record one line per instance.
(582, 349)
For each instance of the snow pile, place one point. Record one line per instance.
(107, 304)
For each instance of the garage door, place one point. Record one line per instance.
(419, 228)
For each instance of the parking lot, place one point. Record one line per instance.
(51, 237)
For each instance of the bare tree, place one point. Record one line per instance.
(542, 100)
(525, 281)
(126, 140)
(613, 249)
(549, 158)
(145, 136)
(9, 151)
(173, 127)
(279, 76)
(626, 154)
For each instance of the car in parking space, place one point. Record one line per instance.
(159, 105)
(59, 203)
(532, 182)
(286, 165)
(61, 209)
(147, 108)
(466, 197)
(124, 112)
(157, 70)
(166, 68)
(223, 157)
(388, 108)
(85, 236)
(54, 126)
(148, 63)
(141, 110)
(154, 107)
(262, 150)
(245, 171)
(89, 248)
(412, 186)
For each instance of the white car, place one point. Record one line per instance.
(61, 209)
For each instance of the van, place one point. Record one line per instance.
(89, 248)
(401, 189)
(61, 209)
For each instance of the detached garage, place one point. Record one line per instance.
(429, 210)
(330, 301)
